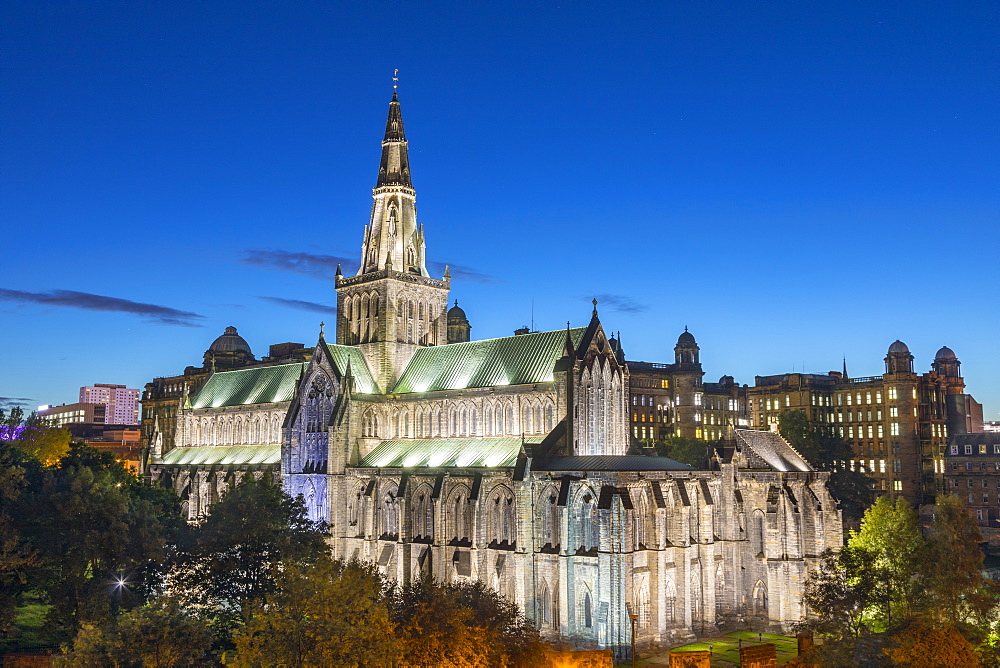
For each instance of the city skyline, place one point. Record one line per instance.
(796, 185)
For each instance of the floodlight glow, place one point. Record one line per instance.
(467, 458)
(495, 458)
(412, 460)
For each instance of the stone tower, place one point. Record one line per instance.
(392, 306)
(687, 382)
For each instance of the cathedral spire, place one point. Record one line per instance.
(394, 169)
(393, 240)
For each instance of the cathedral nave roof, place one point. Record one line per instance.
(510, 360)
(252, 385)
(446, 452)
(224, 455)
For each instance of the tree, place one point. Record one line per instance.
(891, 534)
(924, 646)
(510, 639)
(93, 524)
(844, 592)
(953, 567)
(691, 451)
(158, 635)
(465, 624)
(17, 557)
(327, 613)
(255, 529)
(435, 628)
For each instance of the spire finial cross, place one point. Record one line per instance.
(395, 80)
(321, 326)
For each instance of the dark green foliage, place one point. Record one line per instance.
(70, 530)
(691, 451)
(93, 523)
(159, 635)
(231, 564)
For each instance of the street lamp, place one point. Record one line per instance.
(632, 618)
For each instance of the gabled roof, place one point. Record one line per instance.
(223, 455)
(511, 360)
(363, 381)
(445, 452)
(253, 385)
(773, 450)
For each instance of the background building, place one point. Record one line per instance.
(898, 423)
(972, 472)
(122, 403)
(672, 399)
(67, 414)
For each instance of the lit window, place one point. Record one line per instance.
(982, 449)
(897, 485)
(892, 393)
(881, 466)
(894, 429)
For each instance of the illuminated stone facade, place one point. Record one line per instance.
(507, 460)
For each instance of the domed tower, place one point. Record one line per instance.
(946, 364)
(898, 359)
(687, 384)
(686, 350)
(458, 325)
(229, 351)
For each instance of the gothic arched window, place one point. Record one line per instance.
(589, 533)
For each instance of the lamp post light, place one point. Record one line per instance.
(633, 618)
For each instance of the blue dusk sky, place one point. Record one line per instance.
(797, 182)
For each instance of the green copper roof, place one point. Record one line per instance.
(223, 455)
(512, 360)
(255, 385)
(363, 381)
(443, 452)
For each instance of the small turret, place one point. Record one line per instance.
(686, 350)
(459, 329)
(898, 359)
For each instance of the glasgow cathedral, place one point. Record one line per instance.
(510, 460)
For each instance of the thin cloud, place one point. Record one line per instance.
(310, 264)
(461, 272)
(163, 315)
(620, 304)
(325, 266)
(13, 402)
(301, 305)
